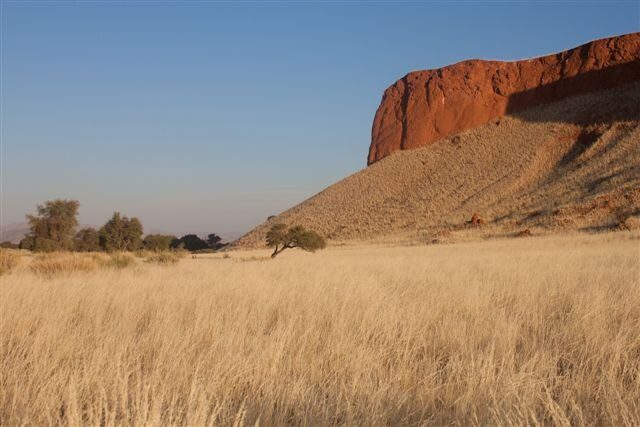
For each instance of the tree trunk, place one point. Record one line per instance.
(276, 252)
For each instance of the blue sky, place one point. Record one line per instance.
(211, 116)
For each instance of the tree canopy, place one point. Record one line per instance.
(190, 242)
(121, 234)
(280, 238)
(214, 241)
(158, 242)
(87, 240)
(52, 228)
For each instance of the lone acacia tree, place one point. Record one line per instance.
(281, 238)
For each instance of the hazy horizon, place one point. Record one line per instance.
(201, 116)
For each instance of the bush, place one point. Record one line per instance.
(62, 263)
(119, 260)
(164, 258)
(190, 242)
(87, 240)
(158, 242)
(9, 260)
(9, 245)
(27, 243)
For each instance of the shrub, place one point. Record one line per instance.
(158, 242)
(62, 263)
(215, 242)
(27, 243)
(164, 258)
(9, 245)
(9, 260)
(190, 242)
(87, 240)
(119, 260)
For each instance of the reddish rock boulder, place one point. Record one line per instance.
(425, 106)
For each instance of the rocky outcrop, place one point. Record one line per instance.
(425, 106)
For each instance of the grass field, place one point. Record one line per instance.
(521, 331)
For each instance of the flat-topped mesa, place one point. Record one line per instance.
(425, 106)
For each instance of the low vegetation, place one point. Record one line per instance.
(56, 263)
(536, 331)
(52, 230)
(9, 259)
(164, 258)
(64, 263)
(119, 260)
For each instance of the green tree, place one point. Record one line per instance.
(215, 242)
(281, 238)
(158, 242)
(121, 234)
(190, 242)
(52, 228)
(87, 240)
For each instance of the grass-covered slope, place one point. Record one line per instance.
(570, 165)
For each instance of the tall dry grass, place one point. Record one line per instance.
(54, 263)
(528, 331)
(9, 259)
(65, 263)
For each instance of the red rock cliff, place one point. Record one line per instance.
(425, 106)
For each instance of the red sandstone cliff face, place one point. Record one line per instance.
(425, 106)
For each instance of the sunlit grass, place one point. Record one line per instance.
(522, 331)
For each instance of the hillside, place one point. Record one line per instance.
(569, 165)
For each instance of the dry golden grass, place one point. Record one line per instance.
(539, 170)
(165, 258)
(119, 260)
(64, 263)
(49, 264)
(522, 331)
(9, 259)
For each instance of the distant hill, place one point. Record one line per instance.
(13, 232)
(16, 231)
(569, 165)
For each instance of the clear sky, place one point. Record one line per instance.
(210, 116)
